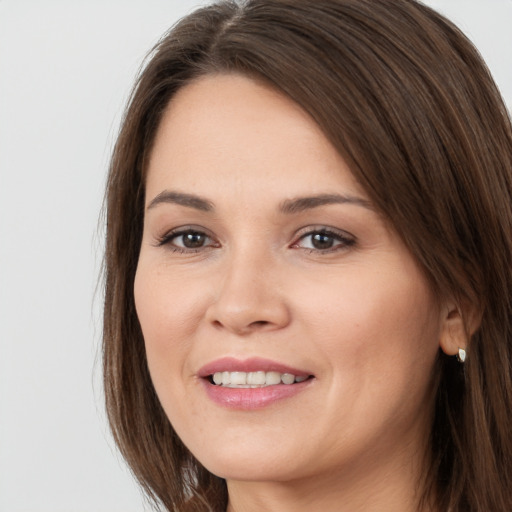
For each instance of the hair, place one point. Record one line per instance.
(406, 99)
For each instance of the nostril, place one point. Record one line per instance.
(242, 328)
(259, 323)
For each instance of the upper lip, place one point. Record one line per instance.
(253, 364)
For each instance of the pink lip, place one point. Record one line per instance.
(254, 364)
(250, 398)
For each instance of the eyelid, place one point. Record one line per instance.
(345, 238)
(166, 238)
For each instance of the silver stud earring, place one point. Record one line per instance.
(461, 356)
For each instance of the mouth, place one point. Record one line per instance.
(253, 383)
(254, 379)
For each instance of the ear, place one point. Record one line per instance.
(458, 325)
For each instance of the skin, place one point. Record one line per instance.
(360, 315)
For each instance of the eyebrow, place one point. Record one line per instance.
(301, 204)
(188, 200)
(289, 206)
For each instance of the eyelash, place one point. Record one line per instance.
(168, 240)
(340, 239)
(344, 240)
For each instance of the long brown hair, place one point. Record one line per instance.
(408, 102)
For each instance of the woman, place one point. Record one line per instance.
(307, 264)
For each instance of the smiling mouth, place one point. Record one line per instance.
(257, 379)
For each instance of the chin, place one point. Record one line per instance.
(253, 470)
(249, 460)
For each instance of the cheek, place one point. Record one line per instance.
(366, 307)
(165, 305)
(397, 341)
(380, 331)
(168, 312)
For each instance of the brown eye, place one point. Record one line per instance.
(187, 240)
(191, 239)
(322, 241)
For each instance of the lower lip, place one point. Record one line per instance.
(252, 398)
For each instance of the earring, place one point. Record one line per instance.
(461, 356)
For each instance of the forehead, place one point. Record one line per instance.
(231, 131)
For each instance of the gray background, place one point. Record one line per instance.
(65, 71)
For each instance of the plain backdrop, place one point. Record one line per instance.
(65, 72)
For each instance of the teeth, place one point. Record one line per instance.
(238, 378)
(273, 378)
(288, 378)
(254, 379)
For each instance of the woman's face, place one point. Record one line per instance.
(289, 332)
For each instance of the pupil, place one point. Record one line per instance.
(193, 240)
(322, 241)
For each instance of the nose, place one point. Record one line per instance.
(249, 297)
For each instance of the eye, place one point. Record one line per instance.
(324, 240)
(190, 240)
(187, 240)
